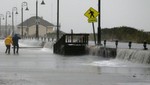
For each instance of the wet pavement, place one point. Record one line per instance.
(39, 66)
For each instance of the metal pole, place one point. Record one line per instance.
(71, 35)
(57, 20)
(0, 27)
(23, 4)
(8, 12)
(37, 26)
(13, 9)
(6, 25)
(1, 17)
(22, 21)
(37, 21)
(99, 23)
(94, 32)
(12, 22)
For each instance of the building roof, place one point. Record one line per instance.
(32, 21)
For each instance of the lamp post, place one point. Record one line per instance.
(1, 17)
(13, 10)
(57, 20)
(23, 5)
(99, 23)
(7, 13)
(37, 21)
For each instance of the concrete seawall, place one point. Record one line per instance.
(101, 51)
(133, 55)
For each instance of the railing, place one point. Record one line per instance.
(70, 39)
(45, 39)
(76, 39)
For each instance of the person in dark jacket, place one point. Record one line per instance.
(15, 40)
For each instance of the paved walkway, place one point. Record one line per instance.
(39, 66)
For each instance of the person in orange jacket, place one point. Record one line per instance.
(8, 42)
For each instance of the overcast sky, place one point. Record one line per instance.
(133, 13)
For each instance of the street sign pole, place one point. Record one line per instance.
(57, 20)
(94, 32)
(99, 24)
(91, 14)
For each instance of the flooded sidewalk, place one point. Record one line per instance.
(39, 66)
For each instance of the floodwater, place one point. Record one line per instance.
(39, 66)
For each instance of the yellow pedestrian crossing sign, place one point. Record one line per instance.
(91, 14)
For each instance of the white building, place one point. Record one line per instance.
(29, 27)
